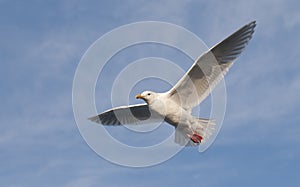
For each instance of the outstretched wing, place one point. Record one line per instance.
(210, 68)
(133, 114)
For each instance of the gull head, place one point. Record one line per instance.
(147, 96)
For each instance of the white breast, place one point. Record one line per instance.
(173, 113)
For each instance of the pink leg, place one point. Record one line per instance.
(196, 138)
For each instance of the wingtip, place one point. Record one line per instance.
(232, 46)
(93, 118)
(90, 118)
(252, 24)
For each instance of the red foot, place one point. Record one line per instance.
(196, 138)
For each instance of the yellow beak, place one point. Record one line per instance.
(139, 96)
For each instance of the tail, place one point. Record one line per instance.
(204, 127)
(191, 135)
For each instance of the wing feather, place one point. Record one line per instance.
(133, 114)
(210, 68)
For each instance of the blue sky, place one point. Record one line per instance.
(42, 43)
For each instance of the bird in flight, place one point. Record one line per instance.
(175, 106)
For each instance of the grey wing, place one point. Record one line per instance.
(133, 114)
(210, 68)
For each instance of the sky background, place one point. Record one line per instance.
(42, 43)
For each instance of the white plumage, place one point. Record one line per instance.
(175, 105)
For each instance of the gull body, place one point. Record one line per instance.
(175, 105)
(160, 103)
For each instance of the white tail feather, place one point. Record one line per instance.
(200, 126)
(204, 127)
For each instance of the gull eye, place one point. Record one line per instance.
(149, 94)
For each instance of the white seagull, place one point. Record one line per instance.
(175, 105)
